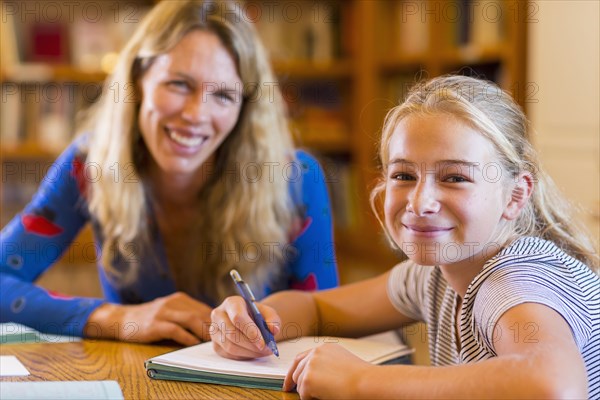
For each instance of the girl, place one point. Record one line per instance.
(495, 267)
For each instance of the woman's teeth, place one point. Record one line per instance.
(188, 141)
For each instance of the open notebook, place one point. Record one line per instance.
(201, 364)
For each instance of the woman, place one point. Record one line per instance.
(187, 170)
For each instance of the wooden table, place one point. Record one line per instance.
(123, 362)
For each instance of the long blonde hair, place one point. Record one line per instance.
(493, 113)
(239, 211)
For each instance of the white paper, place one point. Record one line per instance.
(80, 390)
(11, 366)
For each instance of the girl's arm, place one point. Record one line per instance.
(352, 310)
(547, 365)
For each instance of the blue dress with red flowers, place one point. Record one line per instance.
(33, 240)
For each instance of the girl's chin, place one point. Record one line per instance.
(431, 260)
(432, 253)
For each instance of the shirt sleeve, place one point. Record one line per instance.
(33, 240)
(314, 266)
(407, 289)
(534, 282)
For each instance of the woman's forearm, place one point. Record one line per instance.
(104, 322)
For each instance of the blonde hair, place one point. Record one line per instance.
(492, 112)
(240, 211)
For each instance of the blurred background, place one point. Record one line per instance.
(341, 66)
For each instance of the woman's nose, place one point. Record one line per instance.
(196, 109)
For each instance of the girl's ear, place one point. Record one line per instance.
(519, 196)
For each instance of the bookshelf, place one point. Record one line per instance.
(55, 56)
(397, 42)
(341, 66)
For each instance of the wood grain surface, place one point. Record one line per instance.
(123, 362)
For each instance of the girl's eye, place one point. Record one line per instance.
(455, 179)
(399, 176)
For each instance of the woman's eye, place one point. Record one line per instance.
(225, 97)
(178, 85)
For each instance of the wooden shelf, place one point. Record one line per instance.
(28, 150)
(68, 73)
(50, 73)
(337, 69)
(326, 146)
(402, 63)
(474, 55)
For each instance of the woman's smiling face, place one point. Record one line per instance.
(191, 101)
(445, 191)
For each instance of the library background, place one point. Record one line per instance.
(341, 64)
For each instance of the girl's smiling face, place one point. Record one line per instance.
(446, 192)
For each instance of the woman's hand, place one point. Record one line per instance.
(235, 335)
(327, 371)
(176, 317)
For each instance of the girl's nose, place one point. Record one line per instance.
(422, 200)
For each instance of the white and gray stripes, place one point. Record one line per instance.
(529, 270)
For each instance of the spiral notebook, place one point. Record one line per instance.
(200, 363)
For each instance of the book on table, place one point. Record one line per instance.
(200, 363)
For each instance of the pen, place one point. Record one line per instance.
(259, 320)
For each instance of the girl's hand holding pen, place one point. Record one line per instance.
(235, 335)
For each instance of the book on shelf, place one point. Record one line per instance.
(10, 131)
(393, 89)
(95, 44)
(68, 34)
(342, 183)
(317, 112)
(492, 71)
(487, 27)
(92, 41)
(55, 124)
(9, 43)
(398, 86)
(412, 27)
(42, 112)
(405, 27)
(200, 363)
(47, 42)
(303, 30)
(479, 24)
(321, 127)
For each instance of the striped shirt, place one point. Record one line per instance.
(530, 270)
